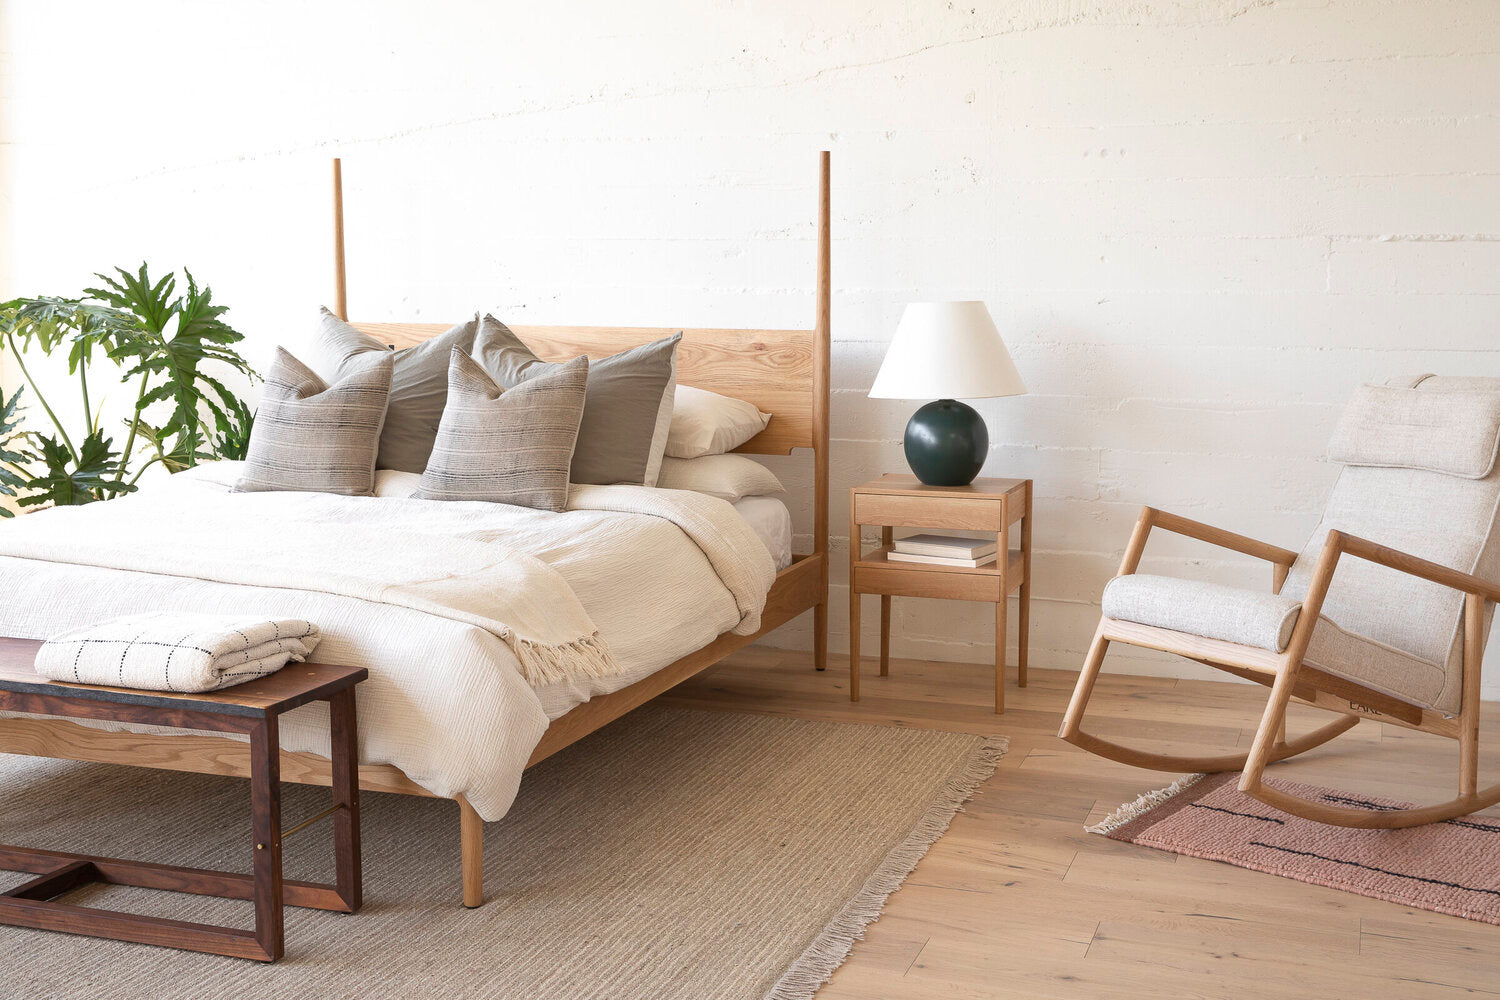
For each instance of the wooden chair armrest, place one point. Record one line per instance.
(1218, 536)
(1363, 548)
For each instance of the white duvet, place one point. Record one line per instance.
(656, 573)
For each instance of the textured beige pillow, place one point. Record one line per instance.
(506, 445)
(706, 423)
(728, 477)
(317, 438)
(624, 429)
(419, 383)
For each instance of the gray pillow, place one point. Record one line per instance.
(314, 437)
(627, 415)
(419, 383)
(506, 445)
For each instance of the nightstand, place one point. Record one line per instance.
(902, 501)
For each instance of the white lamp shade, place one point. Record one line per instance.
(947, 350)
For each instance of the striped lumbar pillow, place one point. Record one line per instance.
(314, 437)
(506, 445)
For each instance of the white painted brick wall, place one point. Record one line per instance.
(1199, 224)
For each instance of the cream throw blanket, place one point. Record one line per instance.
(430, 557)
(176, 652)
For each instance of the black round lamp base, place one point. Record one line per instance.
(946, 443)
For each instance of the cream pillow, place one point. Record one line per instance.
(728, 477)
(706, 423)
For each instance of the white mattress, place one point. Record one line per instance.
(772, 524)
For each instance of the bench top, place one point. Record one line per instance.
(293, 685)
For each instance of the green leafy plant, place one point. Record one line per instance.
(168, 345)
(12, 459)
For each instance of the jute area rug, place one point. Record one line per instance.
(1450, 867)
(673, 854)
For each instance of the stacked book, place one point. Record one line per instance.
(943, 550)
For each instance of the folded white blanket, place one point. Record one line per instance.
(176, 652)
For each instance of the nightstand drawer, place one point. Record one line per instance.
(953, 585)
(929, 512)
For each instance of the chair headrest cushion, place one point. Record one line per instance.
(1452, 431)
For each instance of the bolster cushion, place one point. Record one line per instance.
(1452, 432)
(1249, 617)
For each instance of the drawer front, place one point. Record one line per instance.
(929, 512)
(919, 583)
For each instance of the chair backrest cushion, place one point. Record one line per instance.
(1437, 501)
(1455, 432)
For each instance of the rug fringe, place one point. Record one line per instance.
(831, 947)
(1146, 802)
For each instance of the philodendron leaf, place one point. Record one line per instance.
(12, 458)
(174, 367)
(66, 484)
(168, 449)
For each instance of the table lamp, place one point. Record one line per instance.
(947, 350)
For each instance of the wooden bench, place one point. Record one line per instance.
(253, 709)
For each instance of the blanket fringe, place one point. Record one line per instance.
(543, 664)
(831, 947)
(1144, 803)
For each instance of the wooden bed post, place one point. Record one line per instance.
(822, 352)
(340, 289)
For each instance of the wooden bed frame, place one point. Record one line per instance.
(784, 372)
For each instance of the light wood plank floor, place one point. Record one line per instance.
(1017, 901)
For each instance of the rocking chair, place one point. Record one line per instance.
(1397, 636)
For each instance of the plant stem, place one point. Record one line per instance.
(83, 383)
(137, 477)
(135, 422)
(20, 363)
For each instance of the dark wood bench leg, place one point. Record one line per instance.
(265, 808)
(344, 753)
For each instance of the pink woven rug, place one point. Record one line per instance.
(1449, 867)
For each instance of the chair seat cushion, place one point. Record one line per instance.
(1233, 614)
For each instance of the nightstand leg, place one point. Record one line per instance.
(853, 644)
(1000, 656)
(1023, 633)
(885, 635)
(1023, 639)
(820, 635)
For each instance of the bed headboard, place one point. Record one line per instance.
(771, 368)
(784, 372)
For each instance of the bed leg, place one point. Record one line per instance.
(820, 636)
(471, 843)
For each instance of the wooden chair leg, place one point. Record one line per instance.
(1084, 689)
(1272, 723)
(471, 850)
(1468, 726)
(1470, 798)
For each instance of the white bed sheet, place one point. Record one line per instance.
(772, 524)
